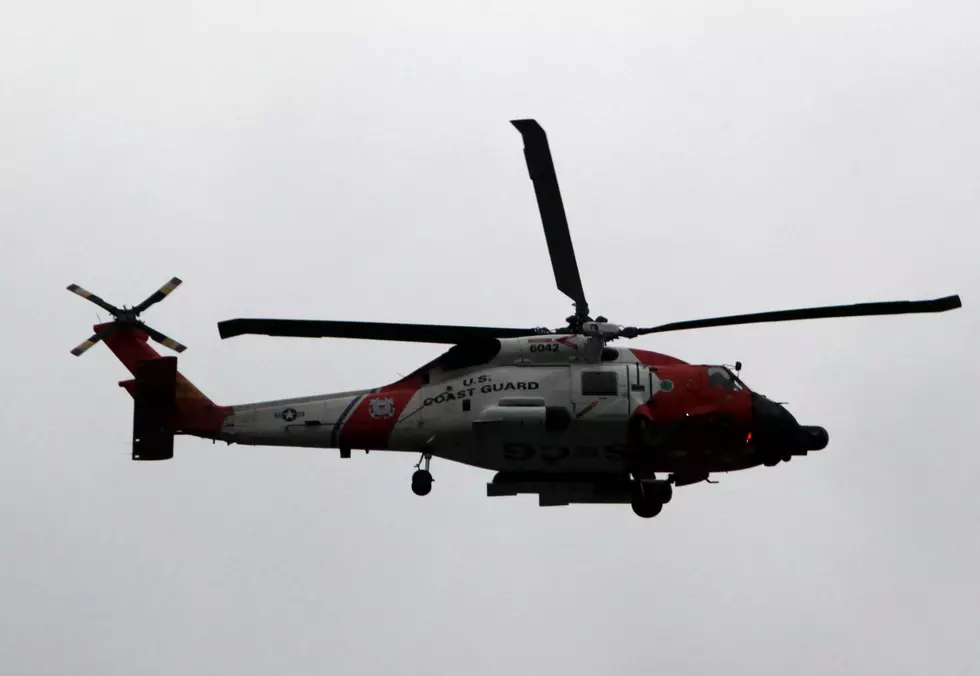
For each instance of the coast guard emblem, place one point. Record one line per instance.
(381, 408)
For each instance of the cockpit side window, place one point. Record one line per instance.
(720, 379)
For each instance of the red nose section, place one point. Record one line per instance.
(695, 407)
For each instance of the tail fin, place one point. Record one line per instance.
(193, 412)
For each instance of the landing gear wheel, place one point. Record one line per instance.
(647, 502)
(422, 479)
(647, 508)
(421, 482)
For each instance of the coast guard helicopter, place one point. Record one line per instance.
(559, 413)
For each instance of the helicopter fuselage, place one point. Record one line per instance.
(531, 405)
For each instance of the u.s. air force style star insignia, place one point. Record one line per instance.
(381, 408)
(290, 414)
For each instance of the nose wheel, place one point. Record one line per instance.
(422, 478)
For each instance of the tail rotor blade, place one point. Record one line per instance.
(88, 295)
(162, 339)
(158, 295)
(85, 345)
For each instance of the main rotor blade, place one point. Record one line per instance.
(158, 295)
(542, 170)
(162, 339)
(411, 333)
(88, 295)
(898, 307)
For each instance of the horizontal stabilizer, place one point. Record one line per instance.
(154, 409)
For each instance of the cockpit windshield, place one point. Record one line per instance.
(720, 378)
(738, 381)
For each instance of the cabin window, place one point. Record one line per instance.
(599, 383)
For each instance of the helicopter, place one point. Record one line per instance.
(559, 413)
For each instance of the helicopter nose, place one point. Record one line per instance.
(776, 430)
(775, 427)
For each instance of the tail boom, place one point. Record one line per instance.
(194, 413)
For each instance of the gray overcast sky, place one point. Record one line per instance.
(318, 159)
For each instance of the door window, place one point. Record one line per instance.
(599, 383)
